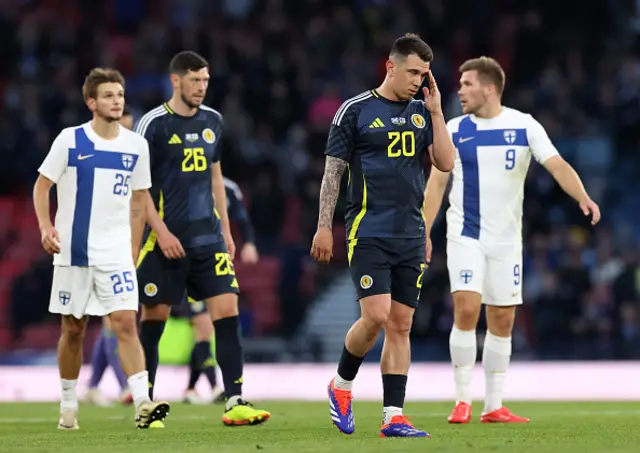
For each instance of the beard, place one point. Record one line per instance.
(188, 103)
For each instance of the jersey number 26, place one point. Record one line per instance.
(194, 160)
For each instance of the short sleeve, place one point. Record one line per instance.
(57, 160)
(147, 128)
(539, 142)
(141, 177)
(218, 127)
(342, 135)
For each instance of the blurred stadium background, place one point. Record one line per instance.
(280, 69)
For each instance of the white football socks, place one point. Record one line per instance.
(495, 360)
(139, 386)
(390, 412)
(69, 401)
(342, 384)
(463, 350)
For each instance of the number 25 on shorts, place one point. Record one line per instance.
(194, 160)
(224, 266)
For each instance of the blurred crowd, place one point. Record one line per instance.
(281, 68)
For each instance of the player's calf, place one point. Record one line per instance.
(152, 323)
(69, 363)
(496, 358)
(132, 358)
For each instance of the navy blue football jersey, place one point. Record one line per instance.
(182, 150)
(384, 143)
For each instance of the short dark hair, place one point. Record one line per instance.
(98, 76)
(186, 61)
(488, 69)
(409, 44)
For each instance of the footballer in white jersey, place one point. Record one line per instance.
(484, 219)
(494, 147)
(102, 173)
(95, 178)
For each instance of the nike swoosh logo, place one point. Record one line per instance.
(80, 157)
(466, 139)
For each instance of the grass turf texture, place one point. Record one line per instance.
(306, 427)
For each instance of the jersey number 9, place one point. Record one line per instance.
(194, 160)
(407, 146)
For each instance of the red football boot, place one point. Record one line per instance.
(502, 415)
(461, 413)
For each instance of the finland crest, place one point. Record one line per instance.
(127, 161)
(510, 136)
(466, 276)
(65, 297)
(417, 120)
(366, 281)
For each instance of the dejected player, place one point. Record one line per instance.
(102, 174)
(484, 227)
(189, 246)
(381, 136)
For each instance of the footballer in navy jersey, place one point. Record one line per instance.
(381, 137)
(188, 248)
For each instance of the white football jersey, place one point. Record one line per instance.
(95, 178)
(492, 159)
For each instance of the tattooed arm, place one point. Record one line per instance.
(340, 144)
(333, 170)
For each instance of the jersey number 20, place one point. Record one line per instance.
(194, 160)
(406, 147)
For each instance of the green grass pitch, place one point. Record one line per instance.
(306, 427)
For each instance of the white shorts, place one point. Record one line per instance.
(81, 291)
(495, 271)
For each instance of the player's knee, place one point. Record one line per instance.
(398, 326)
(467, 306)
(500, 320)
(123, 324)
(375, 312)
(73, 330)
(223, 306)
(158, 312)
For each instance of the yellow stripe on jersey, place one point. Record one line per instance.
(356, 222)
(166, 106)
(151, 241)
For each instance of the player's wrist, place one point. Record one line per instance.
(45, 226)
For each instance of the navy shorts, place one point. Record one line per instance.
(388, 266)
(205, 272)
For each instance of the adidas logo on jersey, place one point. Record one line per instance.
(376, 123)
(175, 140)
